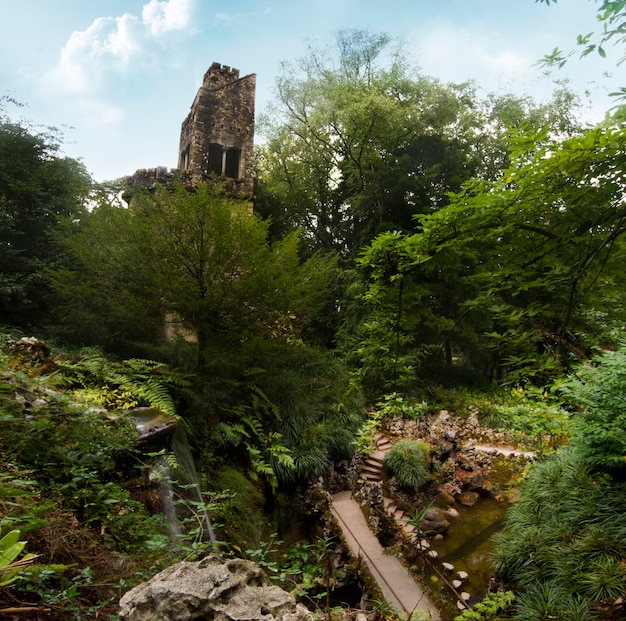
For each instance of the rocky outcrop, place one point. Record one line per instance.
(231, 590)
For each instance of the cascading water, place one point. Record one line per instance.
(182, 451)
(161, 477)
(158, 430)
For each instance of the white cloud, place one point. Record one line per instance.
(100, 113)
(94, 60)
(455, 54)
(227, 18)
(164, 16)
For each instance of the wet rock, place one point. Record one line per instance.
(479, 483)
(468, 499)
(233, 590)
(435, 521)
(445, 499)
(154, 426)
(512, 495)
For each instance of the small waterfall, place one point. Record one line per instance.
(182, 451)
(156, 431)
(161, 477)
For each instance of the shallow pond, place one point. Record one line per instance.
(467, 546)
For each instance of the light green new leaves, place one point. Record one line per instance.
(10, 549)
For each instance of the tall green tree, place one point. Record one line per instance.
(196, 258)
(360, 142)
(38, 188)
(198, 262)
(533, 260)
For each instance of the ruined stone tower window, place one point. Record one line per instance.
(216, 164)
(224, 162)
(184, 158)
(231, 168)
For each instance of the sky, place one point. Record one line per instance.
(119, 76)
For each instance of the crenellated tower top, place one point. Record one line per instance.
(218, 75)
(217, 137)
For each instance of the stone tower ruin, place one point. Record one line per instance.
(217, 137)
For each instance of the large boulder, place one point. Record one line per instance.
(232, 590)
(434, 521)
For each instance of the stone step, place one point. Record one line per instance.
(370, 477)
(372, 465)
(383, 440)
(377, 456)
(371, 473)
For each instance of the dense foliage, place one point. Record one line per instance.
(521, 276)
(408, 237)
(564, 542)
(38, 189)
(360, 142)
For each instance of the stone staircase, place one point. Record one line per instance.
(371, 471)
(373, 465)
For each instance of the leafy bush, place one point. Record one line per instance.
(62, 486)
(288, 409)
(10, 565)
(395, 405)
(488, 608)
(536, 422)
(564, 542)
(122, 385)
(598, 392)
(366, 435)
(408, 461)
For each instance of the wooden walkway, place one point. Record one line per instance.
(396, 584)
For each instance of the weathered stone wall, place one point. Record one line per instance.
(218, 134)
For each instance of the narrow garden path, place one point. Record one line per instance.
(396, 584)
(394, 580)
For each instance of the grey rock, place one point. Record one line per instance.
(232, 590)
(435, 521)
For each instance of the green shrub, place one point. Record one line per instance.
(395, 405)
(598, 393)
(564, 541)
(408, 461)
